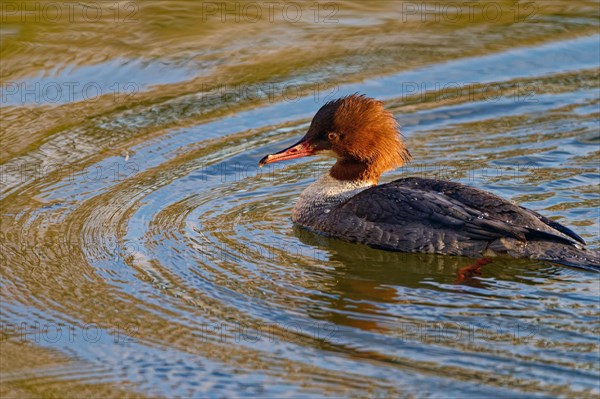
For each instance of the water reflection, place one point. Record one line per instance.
(179, 237)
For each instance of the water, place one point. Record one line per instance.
(144, 252)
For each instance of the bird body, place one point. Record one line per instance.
(412, 214)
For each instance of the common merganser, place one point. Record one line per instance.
(412, 214)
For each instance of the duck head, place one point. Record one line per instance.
(358, 132)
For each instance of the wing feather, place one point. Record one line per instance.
(415, 214)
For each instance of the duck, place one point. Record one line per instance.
(412, 214)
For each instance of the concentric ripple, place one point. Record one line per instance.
(175, 269)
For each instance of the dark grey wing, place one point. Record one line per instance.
(422, 215)
(556, 226)
(496, 207)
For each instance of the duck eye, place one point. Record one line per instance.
(331, 136)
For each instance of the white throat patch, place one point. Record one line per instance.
(324, 194)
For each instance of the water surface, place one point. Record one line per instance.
(145, 254)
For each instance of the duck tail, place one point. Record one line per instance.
(568, 255)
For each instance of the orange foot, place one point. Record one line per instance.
(468, 272)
